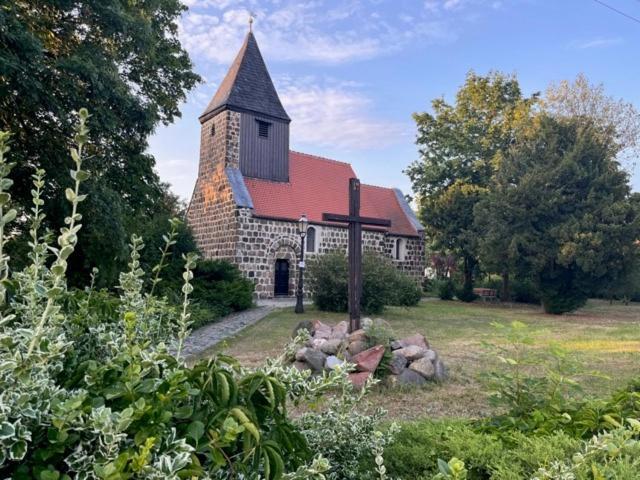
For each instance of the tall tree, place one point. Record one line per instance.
(561, 211)
(122, 60)
(458, 145)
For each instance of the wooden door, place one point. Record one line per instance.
(282, 278)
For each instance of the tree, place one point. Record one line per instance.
(614, 117)
(124, 61)
(561, 211)
(458, 145)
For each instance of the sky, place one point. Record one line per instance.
(351, 73)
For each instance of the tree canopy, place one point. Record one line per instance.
(123, 61)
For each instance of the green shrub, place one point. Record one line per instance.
(525, 291)
(465, 293)
(444, 289)
(415, 452)
(382, 283)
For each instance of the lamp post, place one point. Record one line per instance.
(303, 224)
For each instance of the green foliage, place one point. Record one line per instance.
(219, 285)
(445, 289)
(458, 146)
(465, 293)
(382, 283)
(93, 387)
(419, 446)
(126, 60)
(563, 206)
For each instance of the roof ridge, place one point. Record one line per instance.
(319, 157)
(376, 186)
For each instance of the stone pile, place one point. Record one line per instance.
(412, 361)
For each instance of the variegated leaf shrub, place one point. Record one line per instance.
(105, 393)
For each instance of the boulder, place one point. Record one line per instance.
(321, 330)
(340, 330)
(301, 365)
(409, 377)
(431, 355)
(368, 360)
(332, 362)
(424, 367)
(301, 355)
(303, 325)
(357, 336)
(398, 363)
(331, 346)
(317, 343)
(440, 373)
(316, 360)
(356, 347)
(417, 340)
(412, 352)
(358, 379)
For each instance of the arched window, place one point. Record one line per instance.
(311, 240)
(399, 250)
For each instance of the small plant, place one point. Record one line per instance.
(454, 469)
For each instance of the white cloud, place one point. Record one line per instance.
(325, 113)
(301, 31)
(599, 42)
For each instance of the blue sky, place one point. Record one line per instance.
(350, 73)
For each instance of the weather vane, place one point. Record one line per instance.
(252, 16)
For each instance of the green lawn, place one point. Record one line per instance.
(603, 337)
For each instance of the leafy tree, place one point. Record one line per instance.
(561, 211)
(458, 146)
(125, 60)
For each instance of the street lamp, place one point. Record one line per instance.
(303, 224)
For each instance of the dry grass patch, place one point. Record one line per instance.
(603, 337)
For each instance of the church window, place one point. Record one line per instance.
(311, 240)
(213, 129)
(263, 128)
(399, 249)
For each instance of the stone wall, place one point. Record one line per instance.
(212, 211)
(263, 241)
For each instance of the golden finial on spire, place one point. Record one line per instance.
(251, 17)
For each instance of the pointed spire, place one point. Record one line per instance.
(247, 86)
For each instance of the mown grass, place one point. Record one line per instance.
(602, 337)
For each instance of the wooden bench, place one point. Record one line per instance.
(486, 294)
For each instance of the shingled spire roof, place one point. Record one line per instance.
(247, 86)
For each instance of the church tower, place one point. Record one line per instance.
(244, 133)
(247, 114)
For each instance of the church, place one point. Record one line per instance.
(252, 189)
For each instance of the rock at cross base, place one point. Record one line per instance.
(412, 352)
(417, 340)
(317, 343)
(355, 348)
(424, 367)
(368, 360)
(398, 363)
(440, 371)
(357, 336)
(301, 355)
(333, 362)
(331, 346)
(431, 355)
(321, 330)
(303, 325)
(340, 330)
(301, 365)
(316, 360)
(358, 379)
(409, 377)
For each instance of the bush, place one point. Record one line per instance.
(465, 293)
(415, 452)
(382, 283)
(445, 289)
(525, 291)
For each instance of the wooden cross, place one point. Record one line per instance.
(355, 222)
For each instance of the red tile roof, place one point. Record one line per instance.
(319, 185)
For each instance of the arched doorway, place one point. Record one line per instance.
(281, 281)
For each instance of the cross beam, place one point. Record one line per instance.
(355, 222)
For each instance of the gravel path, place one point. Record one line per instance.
(208, 336)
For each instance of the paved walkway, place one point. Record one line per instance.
(208, 336)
